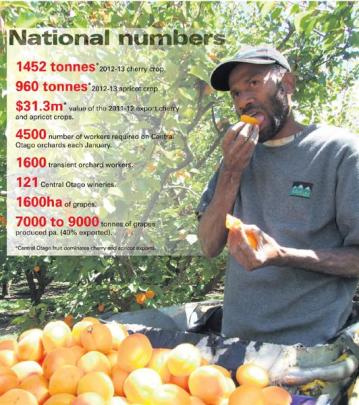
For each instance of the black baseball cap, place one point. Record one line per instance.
(261, 55)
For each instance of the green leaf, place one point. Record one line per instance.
(295, 9)
(354, 38)
(155, 99)
(300, 21)
(276, 13)
(15, 4)
(312, 5)
(171, 70)
(267, 7)
(27, 20)
(200, 72)
(116, 20)
(187, 94)
(80, 22)
(309, 26)
(147, 7)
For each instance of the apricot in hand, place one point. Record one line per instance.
(235, 223)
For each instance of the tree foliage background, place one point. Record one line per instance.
(319, 38)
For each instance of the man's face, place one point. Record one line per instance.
(257, 90)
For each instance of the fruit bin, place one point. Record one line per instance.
(321, 375)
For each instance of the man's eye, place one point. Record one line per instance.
(235, 94)
(254, 82)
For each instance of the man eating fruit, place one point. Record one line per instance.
(295, 189)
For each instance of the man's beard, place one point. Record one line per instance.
(277, 117)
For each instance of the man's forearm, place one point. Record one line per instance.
(212, 232)
(342, 261)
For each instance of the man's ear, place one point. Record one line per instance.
(288, 82)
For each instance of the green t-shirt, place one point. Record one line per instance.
(305, 194)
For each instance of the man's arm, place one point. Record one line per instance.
(341, 261)
(212, 232)
(237, 152)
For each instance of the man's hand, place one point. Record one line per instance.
(238, 146)
(267, 252)
(341, 261)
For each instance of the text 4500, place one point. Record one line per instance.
(72, 221)
(27, 133)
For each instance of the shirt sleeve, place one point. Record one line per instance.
(347, 195)
(207, 195)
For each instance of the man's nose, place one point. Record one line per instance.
(244, 100)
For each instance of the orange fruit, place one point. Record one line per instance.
(140, 298)
(62, 356)
(207, 90)
(196, 401)
(8, 344)
(118, 332)
(129, 231)
(27, 332)
(208, 384)
(276, 396)
(2, 220)
(252, 374)
(8, 358)
(77, 329)
(213, 57)
(135, 351)
(8, 379)
(30, 345)
(94, 361)
(25, 368)
(231, 386)
(222, 401)
(89, 398)
(65, 380)
(222, 369)
(112, 357)
(205, 362)
(96, 337)
(37, 269)
(180, 381)
(247, 394)
(56, 334)
(248, 119)
(184, 359)
(150, 294)
(141, 384)
(17, 396)
(69, 320)
(97, 382)
(78, 351)
(235, 223)
(101, 307)
(158, 363)
(170, 394)
(252, 240)
(37, 385)
(118, 401)
(151, 167)
(60, 399)
(118, 377)
(90, 319)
